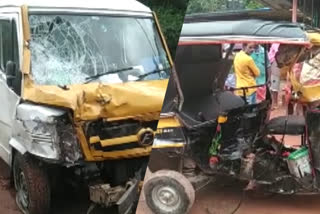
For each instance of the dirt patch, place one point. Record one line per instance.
(68, 203)
(7, 193)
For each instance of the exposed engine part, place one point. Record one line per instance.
(105, 194)
(121, 196)
(235, 148)
(115, 173)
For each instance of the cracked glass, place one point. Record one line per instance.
(71, 49)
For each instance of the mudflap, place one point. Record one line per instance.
(122, 197)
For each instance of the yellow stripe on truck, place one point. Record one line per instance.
(168, 123)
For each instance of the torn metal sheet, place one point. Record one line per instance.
(121, 196)
(30, 112)
(236, 147)
(39, 145)
(44, 132)
(105, 194)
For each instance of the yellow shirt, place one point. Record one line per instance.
(246, 73)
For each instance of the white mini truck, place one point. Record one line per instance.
(81, 85)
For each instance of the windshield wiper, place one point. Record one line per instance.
(140, 77)
(93, 77)
(64, 87)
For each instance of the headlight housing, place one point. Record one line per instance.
(40, 138)
(47, 133)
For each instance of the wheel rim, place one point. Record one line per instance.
(22, 196)
(166, 198)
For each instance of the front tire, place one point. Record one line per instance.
(33, 193)
(169, 192)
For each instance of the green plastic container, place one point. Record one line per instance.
(299, 163)
(300, 153)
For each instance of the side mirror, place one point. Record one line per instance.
(11, 72)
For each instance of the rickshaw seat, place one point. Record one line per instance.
(209, 107)
(295, 125)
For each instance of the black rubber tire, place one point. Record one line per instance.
(175, 180)
(37, 184)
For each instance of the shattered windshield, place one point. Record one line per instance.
(72, 49)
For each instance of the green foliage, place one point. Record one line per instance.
(171, 15)
(204, 6)
(201, 6)
(252, 4)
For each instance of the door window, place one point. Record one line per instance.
(8, 43)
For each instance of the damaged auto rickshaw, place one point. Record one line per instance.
(206, 130)
(82, 85)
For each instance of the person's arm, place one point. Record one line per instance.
(268, 71)
(253, 68)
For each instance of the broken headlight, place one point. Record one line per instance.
(41, 139)
(47, 133)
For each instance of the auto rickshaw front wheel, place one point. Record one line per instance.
(33, 193)
(169, 192)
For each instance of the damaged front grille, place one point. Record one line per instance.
(115, 136)
(107, 130)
